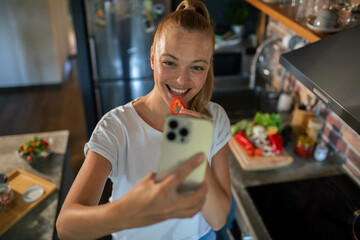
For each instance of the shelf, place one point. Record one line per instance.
(286, 15)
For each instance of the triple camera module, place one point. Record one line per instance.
(177, 131)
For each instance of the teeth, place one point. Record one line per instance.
(177, 90)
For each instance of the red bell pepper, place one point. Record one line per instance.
(276, 143)
(176, 106)
(241, 138)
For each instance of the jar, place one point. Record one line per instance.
(321, 151)
(6, 194)
(304, 146)
(314, 128)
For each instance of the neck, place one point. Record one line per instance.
(153, 110)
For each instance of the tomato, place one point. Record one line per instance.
(258, 152)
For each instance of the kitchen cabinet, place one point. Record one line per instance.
(34, 42)
(286, 15)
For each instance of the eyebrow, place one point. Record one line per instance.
(175, 58)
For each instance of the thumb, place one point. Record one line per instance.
(179, 175)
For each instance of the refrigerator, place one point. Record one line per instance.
(114, 38)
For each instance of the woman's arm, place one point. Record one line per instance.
(218, 198)
(146, 203)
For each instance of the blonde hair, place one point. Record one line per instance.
(192, 15)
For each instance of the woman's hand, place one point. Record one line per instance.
(146, 203)
(218, 198)
(190, 113)
(149, 202)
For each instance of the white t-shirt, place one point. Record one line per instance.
(131, 146)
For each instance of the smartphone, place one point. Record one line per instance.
(182, 138)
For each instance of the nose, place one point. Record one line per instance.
(183, 77)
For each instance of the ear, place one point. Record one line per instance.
(152, 57)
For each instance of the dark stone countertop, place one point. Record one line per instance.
(39, 222)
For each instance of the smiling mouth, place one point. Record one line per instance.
(176, 91)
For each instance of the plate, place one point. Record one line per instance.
(33, 193)
(310, 24)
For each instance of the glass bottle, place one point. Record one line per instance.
(6, 194)
(304, 146)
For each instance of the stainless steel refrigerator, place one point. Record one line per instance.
(113, 51)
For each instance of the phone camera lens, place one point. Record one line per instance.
(183, 132)
(173, 124)
(171, 136)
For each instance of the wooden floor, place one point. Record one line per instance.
(47, 108)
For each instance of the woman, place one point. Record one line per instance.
(124, 147)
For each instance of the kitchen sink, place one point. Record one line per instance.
(242, 102)
(308, 209)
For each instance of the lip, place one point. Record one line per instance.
(176, 94)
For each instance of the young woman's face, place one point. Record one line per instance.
(181, 61)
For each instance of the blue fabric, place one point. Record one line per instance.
(222, 233)
(210, 235)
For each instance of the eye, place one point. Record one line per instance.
(197, 68)
(169, 63)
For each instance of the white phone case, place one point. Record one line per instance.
(184, 137)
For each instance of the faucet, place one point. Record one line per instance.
(259, 50)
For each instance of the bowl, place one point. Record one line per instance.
(36, 151)
(326, 18)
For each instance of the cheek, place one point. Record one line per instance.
(201, 80)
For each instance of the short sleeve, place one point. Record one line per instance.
(106, 140)
(222, 129)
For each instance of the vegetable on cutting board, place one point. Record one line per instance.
(239, 126)
(249, 127)
(276, 143)
(260, 136)
(267, 119)
(243, 141)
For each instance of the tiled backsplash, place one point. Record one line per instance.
(336, 132)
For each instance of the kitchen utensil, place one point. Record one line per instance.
(300, 120)
(352, 207)
(310, 24)
(314, 127)
(284, 103)
(326, 18)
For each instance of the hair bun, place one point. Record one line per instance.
(195, 5)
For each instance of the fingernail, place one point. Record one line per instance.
(200, 158)
(184, 111)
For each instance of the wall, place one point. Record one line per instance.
(336, 132)
(34, 45)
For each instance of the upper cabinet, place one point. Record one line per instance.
(287, 15)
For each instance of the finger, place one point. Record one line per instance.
(190, 113)
(184, 170)
(193, 203)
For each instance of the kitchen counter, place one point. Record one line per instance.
(298, 170)
(39, 223)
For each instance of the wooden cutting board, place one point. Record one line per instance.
(252, 163)
(20, 180)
